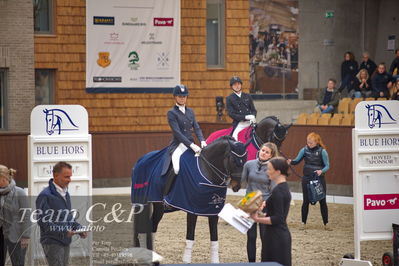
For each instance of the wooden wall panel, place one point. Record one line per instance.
(114, 154)
(65, 51)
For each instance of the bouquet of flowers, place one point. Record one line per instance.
(251, 202)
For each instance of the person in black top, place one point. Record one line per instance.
(240, 107)
(362, 86)
(349, 69)
(368, 64)
(277, 241)
(394, 91)
(394, 69)
(381, 82)
(317, 163)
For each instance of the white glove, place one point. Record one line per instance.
(203, 144)
(251, 118)
(195, 148)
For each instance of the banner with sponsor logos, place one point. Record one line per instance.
(132, 46)
(375, 143)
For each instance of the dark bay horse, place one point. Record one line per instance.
(199, 189)
(269, 129)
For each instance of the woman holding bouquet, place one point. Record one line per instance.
(255, 176)
(276, 246)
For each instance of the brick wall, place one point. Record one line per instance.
(16, 55)
(145, 112)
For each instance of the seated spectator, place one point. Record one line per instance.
(362, 86)
(394, 91)
(394, 69)
(368, 64)
(349, 69)
(381, 82)
(328, 99)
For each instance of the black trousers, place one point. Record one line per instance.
(16, 253)
(305, 204)
(251, 241)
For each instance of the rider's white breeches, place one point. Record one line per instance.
(241, 125)
(176, 157)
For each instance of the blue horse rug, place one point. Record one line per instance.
(147, 181)
(191, 192)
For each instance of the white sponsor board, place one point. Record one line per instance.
(132, 46)
(60, 133)
(375, 143)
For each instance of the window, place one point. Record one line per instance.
(43, 16)
(3, 83)
(215, 33)
(44, 86)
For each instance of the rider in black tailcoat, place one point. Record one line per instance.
(182, 121)
(240, 106)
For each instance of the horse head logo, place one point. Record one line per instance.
(58, 120)
(378, 115)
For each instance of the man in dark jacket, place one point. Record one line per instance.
(240, 107)
(55, 218)
(328, 99)
(368, 64)
(381, 82)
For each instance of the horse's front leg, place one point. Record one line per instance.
(190, 233)
(213, 230)
(146, 223)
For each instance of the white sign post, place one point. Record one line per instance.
(60, 133)
(375, 143)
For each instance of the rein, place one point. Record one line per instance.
(220, 174)
(291, 167)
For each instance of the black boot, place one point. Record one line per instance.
(170, 179)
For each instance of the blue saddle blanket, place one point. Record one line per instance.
(147, 181)
(192, 191)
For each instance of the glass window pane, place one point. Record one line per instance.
(215, 33)
(44, 86)
(42, 16)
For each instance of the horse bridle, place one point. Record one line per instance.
(258, 141)
(220, 174)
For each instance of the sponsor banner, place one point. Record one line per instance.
(381, 202)
(132, 44)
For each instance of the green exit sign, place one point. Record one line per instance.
(329, 14)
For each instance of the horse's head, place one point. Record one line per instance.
(370, 115)
(235, 158)
(49, 121)
(223, 161)
(270, 129)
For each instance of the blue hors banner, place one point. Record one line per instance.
(132, 46)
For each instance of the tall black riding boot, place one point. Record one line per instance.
(170, 179)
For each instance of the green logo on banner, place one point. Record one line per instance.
(133, 60)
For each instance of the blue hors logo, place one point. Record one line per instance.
(58, 120)
(378, 115)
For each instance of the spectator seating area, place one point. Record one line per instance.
(344, 117)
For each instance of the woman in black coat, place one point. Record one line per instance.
(277, 241)
(349, 69)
